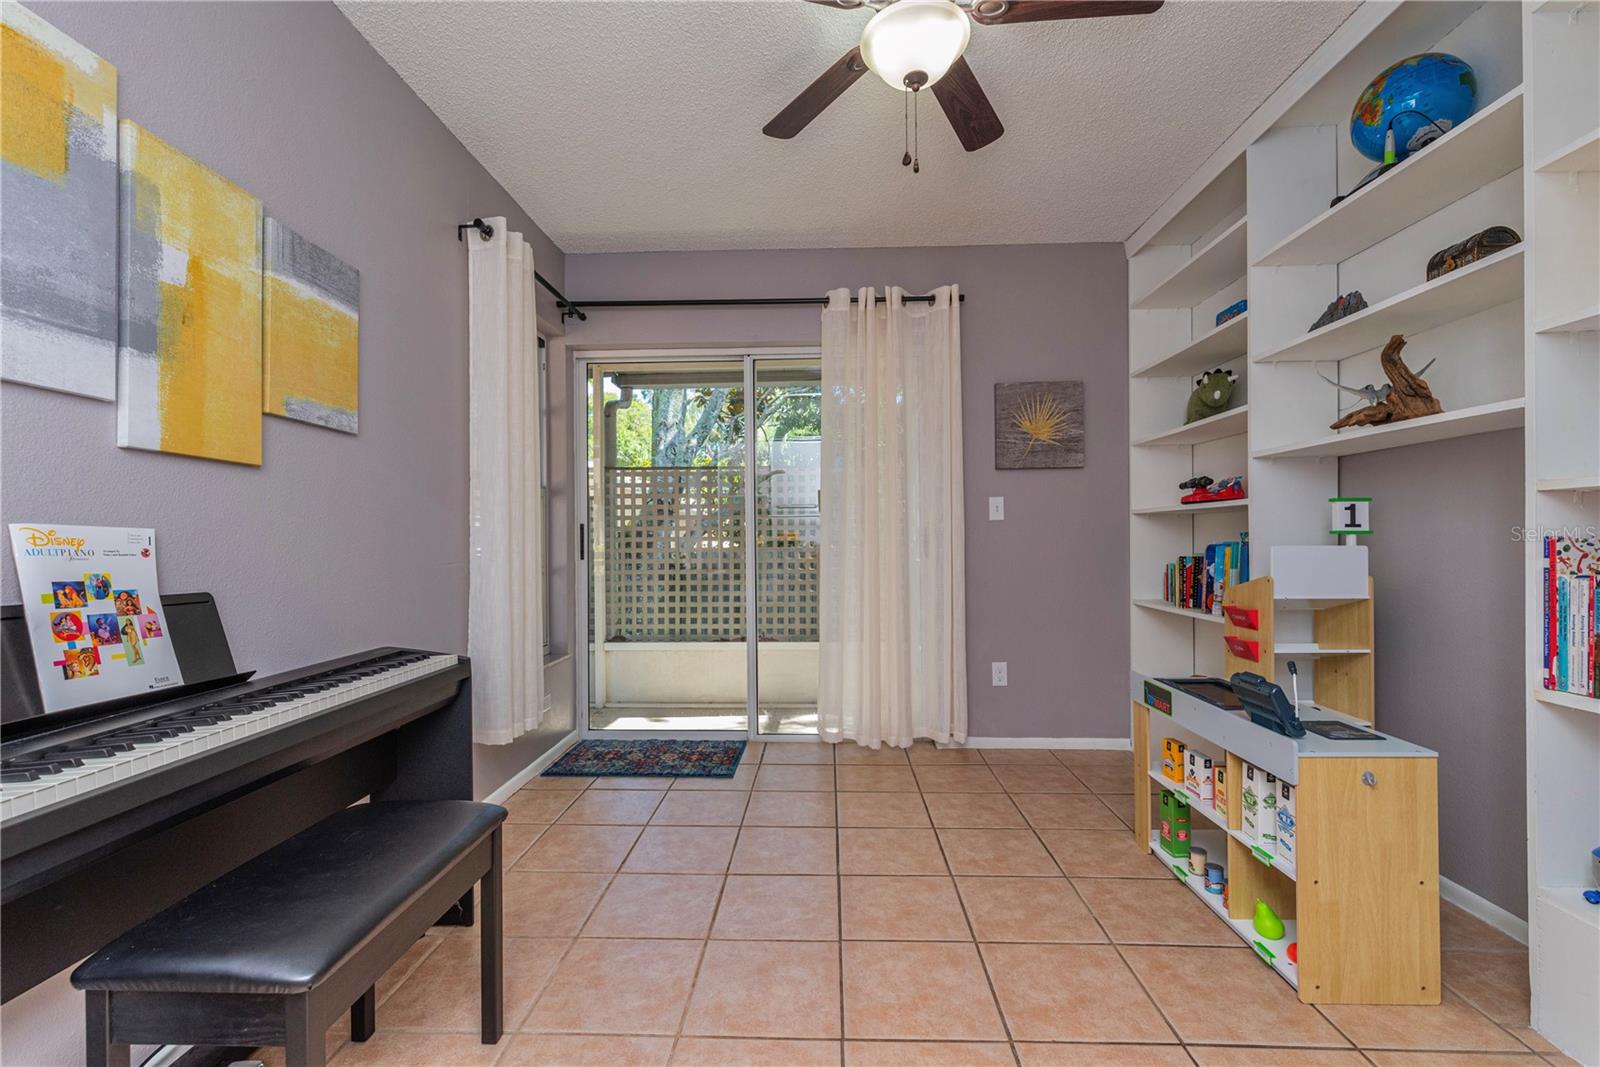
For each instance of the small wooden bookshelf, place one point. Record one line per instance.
(1358, 893)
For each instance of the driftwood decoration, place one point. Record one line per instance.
(1408, 398)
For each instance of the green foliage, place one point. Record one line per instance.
(704, 427)
(692, 427)
(633, 432)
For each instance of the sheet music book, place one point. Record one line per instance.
(94, 613)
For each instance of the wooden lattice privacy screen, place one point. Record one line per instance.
(675, 568)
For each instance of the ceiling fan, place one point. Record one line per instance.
(917, 44)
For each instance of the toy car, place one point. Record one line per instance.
(1204, 490)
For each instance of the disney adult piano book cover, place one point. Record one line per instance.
(93, 609)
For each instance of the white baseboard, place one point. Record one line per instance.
(1113, 744)
(534, 769)
(1487, 910)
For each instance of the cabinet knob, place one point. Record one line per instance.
(1368, 778)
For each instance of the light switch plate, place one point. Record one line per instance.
(997, 508)
(997, 672)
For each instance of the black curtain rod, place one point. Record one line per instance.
(733, 302)
(570, 308)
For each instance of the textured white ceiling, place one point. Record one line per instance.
(636, 126)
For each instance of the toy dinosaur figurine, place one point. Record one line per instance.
(1370, 393)
(1406, 396)
(1212, 391)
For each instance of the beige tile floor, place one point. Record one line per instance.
(843, 906)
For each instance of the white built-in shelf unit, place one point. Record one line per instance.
(1194, 269)
(1561, 217)
(1514, 337)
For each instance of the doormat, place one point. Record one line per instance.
(649, 759)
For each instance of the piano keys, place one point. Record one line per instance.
(48, 772)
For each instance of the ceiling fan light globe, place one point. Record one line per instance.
(915, 35)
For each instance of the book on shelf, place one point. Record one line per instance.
(1200, 581)
(1571, 573)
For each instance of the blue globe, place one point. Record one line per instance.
(1432, 85)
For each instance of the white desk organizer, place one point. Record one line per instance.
(1317, 576)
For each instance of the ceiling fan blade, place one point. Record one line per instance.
(817, 96)
(967, 108)
(1002, 12)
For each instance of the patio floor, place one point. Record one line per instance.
(775, 719)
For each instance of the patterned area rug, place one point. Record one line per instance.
(649, 759)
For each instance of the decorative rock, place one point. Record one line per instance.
(1348, 304)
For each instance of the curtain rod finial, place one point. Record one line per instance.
(484, 229)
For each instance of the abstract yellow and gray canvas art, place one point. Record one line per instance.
(313, 318)
(189, 362)
(58, 210)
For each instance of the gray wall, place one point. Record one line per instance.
(336, 543)
(1046, 588)
(1449, 626)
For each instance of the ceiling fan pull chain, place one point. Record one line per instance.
(905, 117)
(916, 134)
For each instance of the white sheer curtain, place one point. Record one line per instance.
(505, 614)
(893, 616)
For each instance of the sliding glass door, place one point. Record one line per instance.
(694, 624)
(787, 460)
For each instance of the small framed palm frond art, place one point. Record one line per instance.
(1038, 425)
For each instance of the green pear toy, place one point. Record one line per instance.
(1266, 922)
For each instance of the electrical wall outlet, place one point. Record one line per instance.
(997, 508)
(997, 673)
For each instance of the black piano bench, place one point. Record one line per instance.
(273, 952)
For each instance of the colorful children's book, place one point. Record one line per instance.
(1200, 582)
(1571, 623)
(94, 613)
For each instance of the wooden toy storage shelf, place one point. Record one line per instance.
(1341, 643)
(1361, 898)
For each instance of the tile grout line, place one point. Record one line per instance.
(722, 889)
(509, 1038)
(544, 986)
(838, 895)
(1351, 1044)
(610, 881)
(1336, 1027)
(1117, 947)
(716, 909)
(983, 963)
(1111, 941)
(1165, 1018)
(838, 876)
